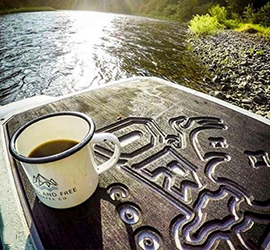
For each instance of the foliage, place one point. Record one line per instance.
(254, 29)
(238, 6)
(259, 52)
(263, 15)
(219, 12)
(27, 9)
(229, 13)
(249, 14)
(231, 23)
(256, 16)
(205, 25)
(250, 21)
(181, 11)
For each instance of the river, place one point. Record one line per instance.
(61, 52)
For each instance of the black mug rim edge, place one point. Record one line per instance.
(58, 156)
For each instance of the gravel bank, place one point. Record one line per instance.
(240, 69)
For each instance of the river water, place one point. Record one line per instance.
(57, 53)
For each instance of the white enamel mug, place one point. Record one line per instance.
(70, 177)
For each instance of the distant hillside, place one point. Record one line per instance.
(116, 6)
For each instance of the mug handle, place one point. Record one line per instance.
(102, 137)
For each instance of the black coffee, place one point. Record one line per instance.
(52, 148)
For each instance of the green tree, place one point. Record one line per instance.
(263, 15)
(238, 6)
(219, 12)
(249, 14)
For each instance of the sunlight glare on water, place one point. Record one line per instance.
(85, 35)
(61, 52)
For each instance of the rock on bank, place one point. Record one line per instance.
(240, 67)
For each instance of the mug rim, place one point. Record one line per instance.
(55, 157)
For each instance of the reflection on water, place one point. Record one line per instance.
(56, 53)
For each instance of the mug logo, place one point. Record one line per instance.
(44, 183)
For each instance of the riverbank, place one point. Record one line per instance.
(239, 66)
(26, 9)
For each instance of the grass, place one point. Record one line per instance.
(205, 25)
(217, 19)
(254, 29)
(208, 25)
(26, 9)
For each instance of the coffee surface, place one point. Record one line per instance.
(52, 147)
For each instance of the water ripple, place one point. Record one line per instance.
(57, 53)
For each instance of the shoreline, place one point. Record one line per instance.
(26, 9)
(239, 68)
